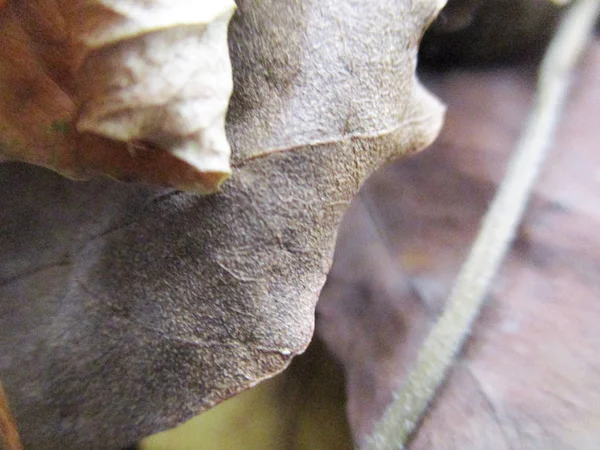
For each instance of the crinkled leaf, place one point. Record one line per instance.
(134, 89)
(126, 310)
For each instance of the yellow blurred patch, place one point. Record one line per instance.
(301, 409)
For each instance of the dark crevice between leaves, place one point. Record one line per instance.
(488, 34)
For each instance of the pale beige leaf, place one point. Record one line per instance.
(137, 90)
(155, 73)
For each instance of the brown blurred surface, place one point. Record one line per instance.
(530, 375)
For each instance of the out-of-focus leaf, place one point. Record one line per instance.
(302, 408)
(530, 376)
(127, 310)
(134, 89)
(479, 32)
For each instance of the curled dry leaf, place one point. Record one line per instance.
(126, 310)
(529, 376)
(134, 89)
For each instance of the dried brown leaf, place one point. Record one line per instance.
(126, 310)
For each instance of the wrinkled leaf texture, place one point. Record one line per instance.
(103, 87)
(128, 309)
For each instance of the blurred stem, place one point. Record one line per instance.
(9, 436)
(496, 233)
